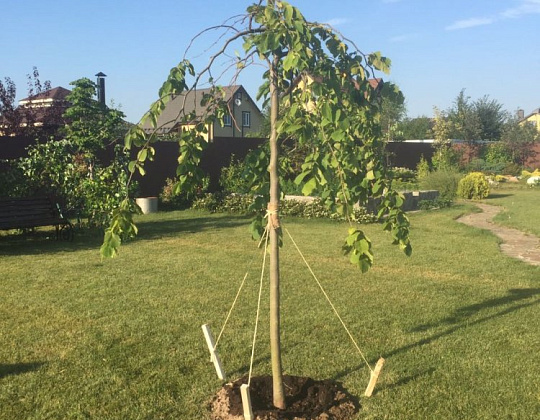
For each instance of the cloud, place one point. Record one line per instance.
(337, 21)
(470, 23)
(525, 7)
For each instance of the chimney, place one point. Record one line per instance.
(101, 87)
(520, 114)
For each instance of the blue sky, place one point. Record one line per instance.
(437, 47)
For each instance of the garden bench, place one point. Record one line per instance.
(32, 212)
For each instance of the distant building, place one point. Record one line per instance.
(43, 111)
(243, 119)
(533, 118)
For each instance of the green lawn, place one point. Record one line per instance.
(457, 322)
(522, 207)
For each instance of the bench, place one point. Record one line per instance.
(32, 212)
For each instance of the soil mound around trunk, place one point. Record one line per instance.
(307, 399)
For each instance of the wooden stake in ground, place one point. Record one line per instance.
(374, 376)
(213, 354)
(246, 402)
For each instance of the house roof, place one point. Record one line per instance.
(55, 94)
(190, 102)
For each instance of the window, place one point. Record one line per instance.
(227, 120)
(238, 96)
(246, 119)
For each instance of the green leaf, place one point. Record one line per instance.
(132, 165)
(141, 156)
(288, 14)
(309, 186)
(327, 112)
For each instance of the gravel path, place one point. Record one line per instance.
(516, 244)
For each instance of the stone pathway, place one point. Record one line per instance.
(516, 244)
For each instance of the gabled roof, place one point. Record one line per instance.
(191, 102)
(535, 112)
(56, 94)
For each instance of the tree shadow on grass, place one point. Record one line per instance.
(498, 195)
(156, 229)
(405, 380)
(18, 368)
(45, 242)
(463, 313)
(460, 320)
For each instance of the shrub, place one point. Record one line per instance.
(438, 203)
(232, 178)
(497, 153)
(240, 204)
(168, 200)
(403, 174)
(474, 186)
(208, 201)
(423, 168)
(512, 169)
(445, 181)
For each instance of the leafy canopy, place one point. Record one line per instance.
(328, 105)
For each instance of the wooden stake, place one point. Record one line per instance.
(374, 376)
(214, 358)
(246, 402)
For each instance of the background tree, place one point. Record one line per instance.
(18, 120)
(491, 116)
(445, 156)
(90, 126)
(73, 169)
(317, 87)
(419, 128)
(393, 110)
(10, 120)
(519, 140)
(466, 123)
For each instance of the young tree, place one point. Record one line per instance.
(317, 86)
(445, 157)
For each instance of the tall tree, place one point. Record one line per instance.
(491, 116)
(317, 86)
(90, 125)
(466, 122)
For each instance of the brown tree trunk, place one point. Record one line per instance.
(273, 217)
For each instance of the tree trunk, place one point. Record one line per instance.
(273, 218)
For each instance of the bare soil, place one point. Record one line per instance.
(307, 399)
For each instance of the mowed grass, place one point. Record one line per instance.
(521, 207)
(121, 339)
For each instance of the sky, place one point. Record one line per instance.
(437, 47)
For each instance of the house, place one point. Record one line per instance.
(244, 118)
(533, 117)
(43, 111)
